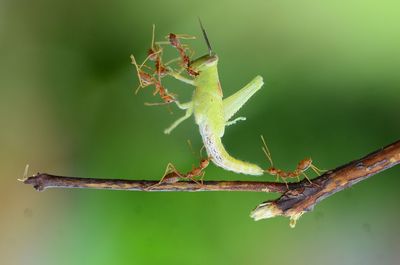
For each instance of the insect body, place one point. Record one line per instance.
(302, 166)
(213, 113)
(146, 79)
(172, 175)
(174, 40)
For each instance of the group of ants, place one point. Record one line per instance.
(160, 70)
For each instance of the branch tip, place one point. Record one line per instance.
(271, 209)
(265, 210)
(37, 181)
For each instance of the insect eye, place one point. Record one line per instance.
(212, 59)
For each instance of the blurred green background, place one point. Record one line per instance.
(332, 91)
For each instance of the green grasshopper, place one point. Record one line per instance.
(213, 113)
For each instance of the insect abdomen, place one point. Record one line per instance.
(220, 157)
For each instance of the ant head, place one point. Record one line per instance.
(204, 162)
(168, 99)
(272, 171)
(304, 164)
(152, 54)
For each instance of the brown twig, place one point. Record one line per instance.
(294, 202)
(296, 198)
(42, 181)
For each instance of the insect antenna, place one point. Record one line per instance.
(190, 146)
(205, 37)
(266, 151)
(201, 150)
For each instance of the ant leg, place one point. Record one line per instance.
(149, 56)
(287, 185)
(183, 36)
(177, 74)
(202, 178)
(194, 180)
(169, 169)
(307, 177)
(171, 175)
(133, 61)
(145, 79)
(148, 67)
(181, 78)
(172, 61)
(198, 182)
(191, 51)
(317, 170)
(159, 43)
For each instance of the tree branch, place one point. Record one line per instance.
(294, 202)
(42, 181)
(296, 199)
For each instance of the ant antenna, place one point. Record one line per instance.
(201, 150)
(205, 37)
(190, 146)
(266, 150)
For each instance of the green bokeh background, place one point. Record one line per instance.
(332, 91)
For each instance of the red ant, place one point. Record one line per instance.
(161, 70)
(154, 54)
(172, 175)
(145, 79)
(302, 166)
(174, 41)
(165, 96)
